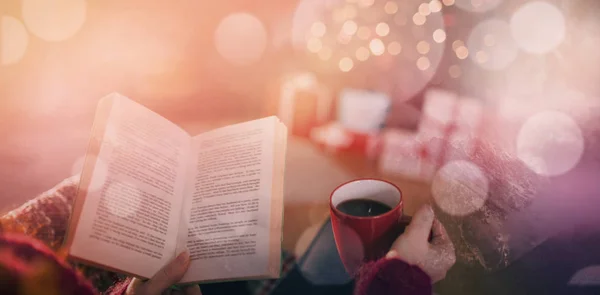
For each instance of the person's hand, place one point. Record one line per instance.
(436, 257)
(170, 274)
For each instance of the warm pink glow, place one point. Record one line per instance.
(460, 188)
(54, 20)
(478, 6)
(241, 39)
(538, 27)
(14, 40)
(550, 143)
(492, 45)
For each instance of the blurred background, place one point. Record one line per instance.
(374, 78)
(364, 86)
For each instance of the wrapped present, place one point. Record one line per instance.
(467, 126)
(454, 120)
(403, 153)
(363, 111)
(332, 137)
(440, 106)
(304, 103)
(336, 138)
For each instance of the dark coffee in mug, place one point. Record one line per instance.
(363, 207)
(366, 218)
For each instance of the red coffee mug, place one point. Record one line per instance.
(360, 239)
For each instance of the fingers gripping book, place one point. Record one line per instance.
(148, 190)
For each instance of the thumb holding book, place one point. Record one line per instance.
(167, 276)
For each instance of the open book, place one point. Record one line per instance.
(148, 190)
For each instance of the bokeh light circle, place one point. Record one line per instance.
(538, 27)
(241, 38)
(423, 47)
(362, 53)
(454, 71)
(305, 239)
(394, 48)
(318, 29)
(478, 6)
(550, 143)
(457, 44)
(419, 19)
(439, 36)
(462, 52)
(308, 15)
(588, 276)
(435, 6)
(398, 34)
(460, 188)
(423, 44)
(14, 40)
(54, 20)
(382, 29)
(346, 64)
(314, 45)
(349, 28)
(377, 47)
(391, 7)
(493, 41)
(117, 204)
(423, 63)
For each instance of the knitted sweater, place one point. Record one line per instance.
(45, 219)
(28, 267)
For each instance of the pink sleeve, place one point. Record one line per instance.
(119, 288)
(392, 277)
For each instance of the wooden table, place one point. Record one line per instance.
(312, 174)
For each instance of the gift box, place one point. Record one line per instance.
(304, 104)
(334, 137)
(403, 153)
(452, 120)
(363, 112)
(361, 115)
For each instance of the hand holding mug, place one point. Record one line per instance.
(434, 257)
(366, 218)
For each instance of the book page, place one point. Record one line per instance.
(129, 202)
(226, 223)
